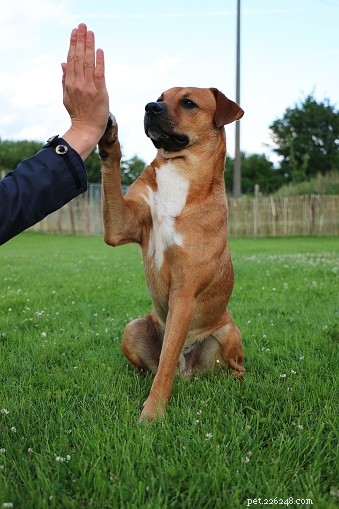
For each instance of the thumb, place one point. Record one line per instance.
(63, 67)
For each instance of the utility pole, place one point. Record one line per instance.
(237, 161)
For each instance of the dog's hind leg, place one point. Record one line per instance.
(141, 343)
(231, 350)
(204, 357)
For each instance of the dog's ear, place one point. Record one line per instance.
(227, 111)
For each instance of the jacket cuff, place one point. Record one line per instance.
(71, 159)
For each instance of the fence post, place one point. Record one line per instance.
(313, 202)
(256, 210)
(274, 216)
(285, 207)
(87, 200)
(71, 217)
(58, 214)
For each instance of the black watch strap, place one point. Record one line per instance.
(61, 148)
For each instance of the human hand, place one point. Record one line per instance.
(85, 95)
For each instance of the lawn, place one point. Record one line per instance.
(69, 401)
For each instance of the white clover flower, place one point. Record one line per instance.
(6, 505)
(283, 375)
(62, 459)
(43, 334)
(196, 421)
(246, 459)
(4, 411)
(2, 450)
(13, 429)
(30, 450)
(209, 436)
(293, 372)
(300, 426)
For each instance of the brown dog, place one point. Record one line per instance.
(177, 211)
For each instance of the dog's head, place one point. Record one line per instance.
(183, 116)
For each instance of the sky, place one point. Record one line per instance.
(289, 49)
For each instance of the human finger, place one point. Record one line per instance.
(89, 61)
(99, 72)
(80, 50)
(63, 67)
(71, 54)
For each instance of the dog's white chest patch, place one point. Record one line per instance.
(166, 203)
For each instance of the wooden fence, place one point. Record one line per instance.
(260, 216)
(292, 215)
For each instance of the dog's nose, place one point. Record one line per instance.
(154, 108)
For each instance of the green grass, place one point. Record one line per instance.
(66, 389)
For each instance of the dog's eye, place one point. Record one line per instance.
(188, 104)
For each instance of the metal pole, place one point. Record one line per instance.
(237, 161)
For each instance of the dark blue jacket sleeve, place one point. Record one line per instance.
(38, 186)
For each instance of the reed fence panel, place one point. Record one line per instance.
(260, 216)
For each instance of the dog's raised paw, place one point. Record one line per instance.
(111, 122)
(109, 137)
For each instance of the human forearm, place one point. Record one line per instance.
(38, 186)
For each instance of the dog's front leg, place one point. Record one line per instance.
(120, 224)
(181, 309)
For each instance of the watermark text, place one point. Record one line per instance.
(261, 501)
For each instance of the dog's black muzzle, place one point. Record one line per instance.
(159, 128)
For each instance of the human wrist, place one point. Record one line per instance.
(83, 140)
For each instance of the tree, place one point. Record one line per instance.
(12, 152)
(307, 139)
(130, 168)
(255, 169)
(93, 167)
